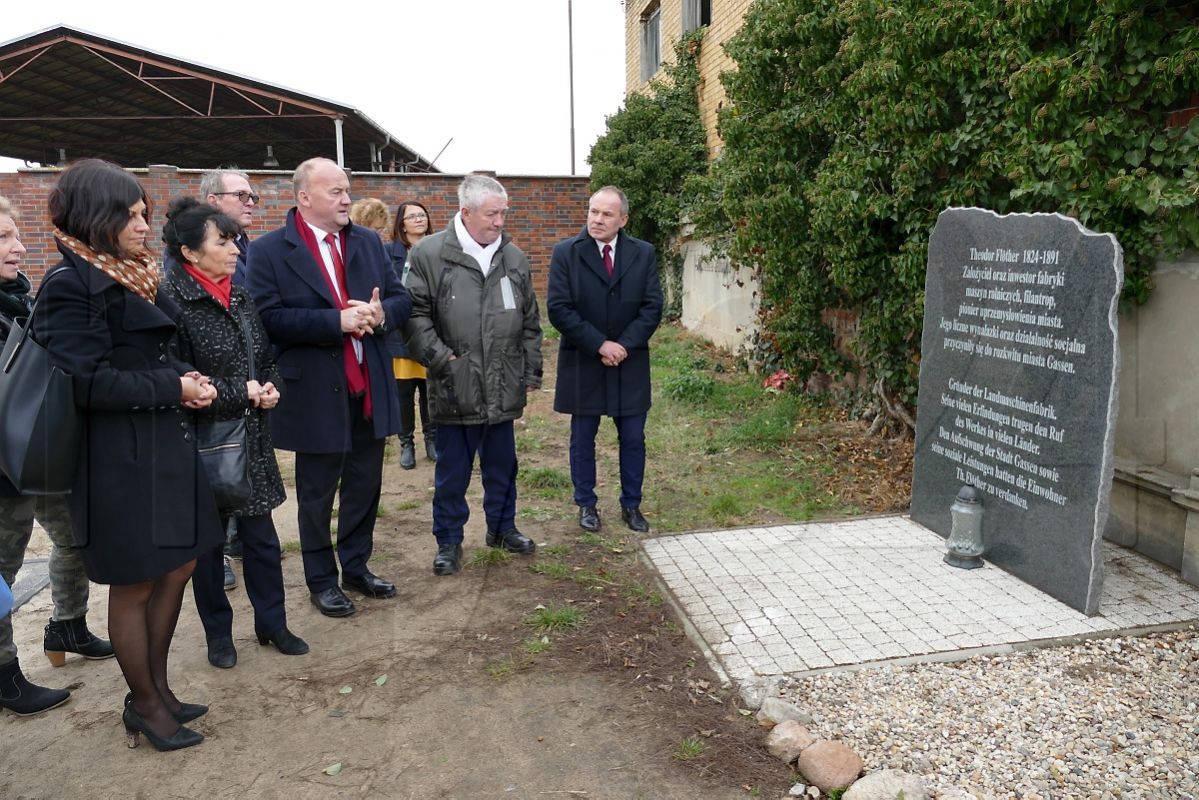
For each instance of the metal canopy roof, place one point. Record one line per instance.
(67, 89)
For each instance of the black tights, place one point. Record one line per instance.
(141, 623)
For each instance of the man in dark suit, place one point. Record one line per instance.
(605, 299)
(230, 191)
(327, 296)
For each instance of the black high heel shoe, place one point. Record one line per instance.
(284, 641)
(135, 725)
(186, 713)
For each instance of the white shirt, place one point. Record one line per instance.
(612, 244)
(327, 257)
(481, 254)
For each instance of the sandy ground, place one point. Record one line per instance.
(440, 726)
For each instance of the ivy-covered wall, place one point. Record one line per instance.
(850, 125)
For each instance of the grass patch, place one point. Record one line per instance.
(691, 747)
(536, 647)
(554, 618)
(408, 505)
(555, 550)
(547, 483)
(551, 569)
(489, 557)
(636, 593)
(502, 668)
(290, 547)
(690, 388)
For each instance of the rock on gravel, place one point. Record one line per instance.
(886, 785)
(829, 765)
(774, 711)
(787, 740)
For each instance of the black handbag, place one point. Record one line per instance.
(40, 427)
(223, 450)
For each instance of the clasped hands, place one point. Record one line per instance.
(612, 353)
(198, 391)
(360, 318)
(262, 395)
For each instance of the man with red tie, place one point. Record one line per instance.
(605, 299)
(327, 296)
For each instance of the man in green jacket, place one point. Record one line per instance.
(475, 327)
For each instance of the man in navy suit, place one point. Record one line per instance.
(229, 190)
(328, 296)
(605, 299)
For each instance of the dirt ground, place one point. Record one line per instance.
(431, 695)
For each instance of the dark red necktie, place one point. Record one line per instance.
(608, 259)
(356, 378)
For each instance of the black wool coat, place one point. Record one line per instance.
(140, 504)
(210, 338)
(587, 307)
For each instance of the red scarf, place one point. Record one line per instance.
(219, 289)
(357, 378)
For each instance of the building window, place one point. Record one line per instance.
(695, 14)
(651, 41)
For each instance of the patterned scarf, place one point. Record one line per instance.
(138, 274)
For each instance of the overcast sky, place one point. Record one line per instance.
(492, 75)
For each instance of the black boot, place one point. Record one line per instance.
(430, 443)
(22, 697)
(407, 452)
(72, 636)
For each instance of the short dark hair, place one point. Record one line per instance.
(187, 226)
(91, 202)
(397, 230)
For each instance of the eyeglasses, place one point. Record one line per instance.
(241, 196)
(416, 217)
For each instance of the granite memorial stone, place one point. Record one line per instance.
(1018, 391)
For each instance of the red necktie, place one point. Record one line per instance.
(608, 259)
(356, 378)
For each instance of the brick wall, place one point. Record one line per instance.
(542, 210)
(727, 18)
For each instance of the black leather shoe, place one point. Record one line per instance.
(332, 602)
(186, 713)
(448, 559)
(589, 518)
(369, 585)
(511, 540)
(284, 641)
(221, 652)
(135, 725)
(632, 517)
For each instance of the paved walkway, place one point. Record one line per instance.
(792, 599)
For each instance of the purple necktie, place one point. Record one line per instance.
(608, 259)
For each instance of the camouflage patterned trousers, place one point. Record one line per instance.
(68, 581)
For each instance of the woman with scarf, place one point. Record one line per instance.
(67, 630)
(140, 503)
(214, 319)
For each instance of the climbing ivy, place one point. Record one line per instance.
(852, 124)
(650, 147)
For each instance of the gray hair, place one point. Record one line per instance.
(474, 188)
(213, 181)
(624, 200)
(6, 209)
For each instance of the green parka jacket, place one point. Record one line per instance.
(491, 325)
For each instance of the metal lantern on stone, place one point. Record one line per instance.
(965, 543)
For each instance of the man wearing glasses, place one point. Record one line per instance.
(229, 190)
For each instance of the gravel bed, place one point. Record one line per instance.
(1106, 718)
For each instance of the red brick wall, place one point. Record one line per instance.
(542, 210)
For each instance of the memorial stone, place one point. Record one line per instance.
(1018, 391)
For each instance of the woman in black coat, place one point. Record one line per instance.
(140, 504)
(214, 319)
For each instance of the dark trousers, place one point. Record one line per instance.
(456, 448)
(262, 574)
(359, 473)
(630, 431)
(408, 390)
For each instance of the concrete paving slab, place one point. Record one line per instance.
(812, 597)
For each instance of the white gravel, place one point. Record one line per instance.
(1108, 718)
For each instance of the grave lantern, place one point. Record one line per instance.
(965, 542)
